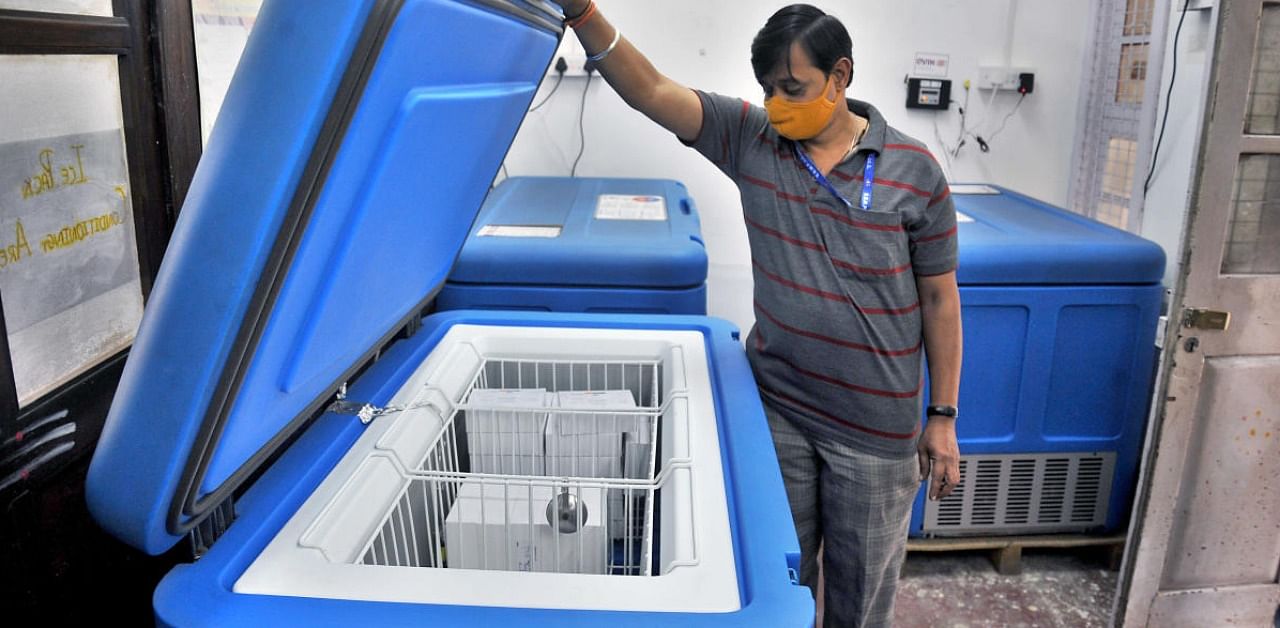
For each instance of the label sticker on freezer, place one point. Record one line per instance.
(970, 188)
(519, 231)
(963, 217)
(627, 207)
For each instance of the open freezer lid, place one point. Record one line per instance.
(638, 233)
(355, 145)
(1010, 239)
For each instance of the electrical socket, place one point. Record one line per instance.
(572, 52)
(1000, 77)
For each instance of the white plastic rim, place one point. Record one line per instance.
(312, 555)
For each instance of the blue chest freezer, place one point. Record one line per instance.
(1060, 315)
(338, 460)
(560, 244)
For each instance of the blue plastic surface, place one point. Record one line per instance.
(1059, 316)
(456, 296)
(1015, 239)
(764, 541)
(644, 254)
(439, 109)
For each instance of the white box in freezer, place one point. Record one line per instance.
(602, 445)
(505, 410)
(602, 421)
(508, 464)
(591, 443)
(584, 466)
(504, 433)
(489, 527)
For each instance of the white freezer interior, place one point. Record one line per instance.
(352, 538)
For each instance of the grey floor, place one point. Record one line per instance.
(1057, 588)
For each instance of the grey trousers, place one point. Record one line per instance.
(859, 506)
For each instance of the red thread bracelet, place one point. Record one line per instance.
(582, 17)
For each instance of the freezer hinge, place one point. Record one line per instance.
(212, 527)
(1196, 318)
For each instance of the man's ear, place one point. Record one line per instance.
(843, 72)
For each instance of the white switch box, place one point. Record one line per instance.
(1003, 78)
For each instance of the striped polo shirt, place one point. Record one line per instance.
(837, 346)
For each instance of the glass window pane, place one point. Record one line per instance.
(1131, 80)
(1117, 175)
(80, 7)
(1117, 181)
(1264, 92)
(221, 30)
(1255, 218)
(1113, 213)
(68, 257)
(1137, 17)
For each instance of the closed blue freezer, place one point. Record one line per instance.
(559, 244)
(1060, 315)
(335, 458)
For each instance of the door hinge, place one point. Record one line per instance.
(1196, 318)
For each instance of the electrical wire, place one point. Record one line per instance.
(1005, 121)
(946, 151)
(988, 107)
(964, 117)
(1164, 122)
(582, 133)
(559, 79)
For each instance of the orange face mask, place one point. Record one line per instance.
(801, 120)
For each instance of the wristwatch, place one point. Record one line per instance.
(947, 411)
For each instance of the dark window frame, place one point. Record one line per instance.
(155, 49)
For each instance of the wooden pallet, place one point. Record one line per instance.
(1006, 551)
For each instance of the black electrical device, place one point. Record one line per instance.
(1026, 83)
(928, 93)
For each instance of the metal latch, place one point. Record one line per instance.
(367, 412)
(1196, 318)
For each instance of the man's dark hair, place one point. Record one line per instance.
(821, 35)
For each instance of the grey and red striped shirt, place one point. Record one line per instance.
(837, 347)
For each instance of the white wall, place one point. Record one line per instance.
(1165, 209)
(706, 45)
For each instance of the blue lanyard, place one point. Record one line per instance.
(868, 177)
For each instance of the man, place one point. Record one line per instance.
(853, 245)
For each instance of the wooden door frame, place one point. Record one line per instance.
(155, 48)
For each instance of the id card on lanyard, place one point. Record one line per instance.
(868, 178)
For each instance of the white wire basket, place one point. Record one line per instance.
(541, 466)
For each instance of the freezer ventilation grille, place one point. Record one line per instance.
(1025, 493)
(547, 466)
